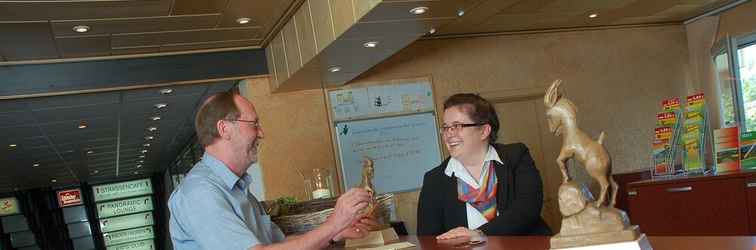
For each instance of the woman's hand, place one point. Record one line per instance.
(459, 232)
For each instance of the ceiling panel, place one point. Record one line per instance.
(84, 46)
(70, 101)
(135, 25)
(262, 13)
(210, 45)
(400, 10)
(135, 50)
(180, 37)
(188, 7)
(77, 10)
(77, 113)
(26, 41)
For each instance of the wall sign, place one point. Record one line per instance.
(130, 235)
(138, 245)
(69, 197)
(124, 207)
(126, 222)
(9, 206)
(122, 190)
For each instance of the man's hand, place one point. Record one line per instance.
(459, 232)
(359, 229)
(348, 206)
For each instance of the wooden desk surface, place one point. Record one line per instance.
(542, 243)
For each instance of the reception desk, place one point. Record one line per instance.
(542, 243)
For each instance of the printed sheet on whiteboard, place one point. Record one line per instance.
(403, 148)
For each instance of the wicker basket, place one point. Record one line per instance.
(305, 216)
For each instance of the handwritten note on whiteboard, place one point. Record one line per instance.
(403, 148)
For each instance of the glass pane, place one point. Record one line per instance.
(747, 61)
(725, 89)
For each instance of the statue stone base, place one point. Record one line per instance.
(586, 226)
(375, 238)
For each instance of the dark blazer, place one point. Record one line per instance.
(519, 198)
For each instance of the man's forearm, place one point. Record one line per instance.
(318, 238)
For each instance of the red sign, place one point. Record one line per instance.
(70, 197)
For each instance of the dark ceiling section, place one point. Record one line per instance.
(42, 139)
(92, 75)
(103, 120)
(38, 30)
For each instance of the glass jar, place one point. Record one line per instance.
(321, 184)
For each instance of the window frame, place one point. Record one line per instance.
(731, 45)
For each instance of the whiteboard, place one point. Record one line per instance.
(403, 148)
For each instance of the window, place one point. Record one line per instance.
(747, 72)
(735, 71)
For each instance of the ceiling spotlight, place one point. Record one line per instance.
(81, 28)
(139, 165)
(143, 151)
(81, 126)
(243, 20)
(371, 44)
(152, 129)
(141, 156)
(149, 137)
(140, 161)
(166, 91)
(161, 105)
(12, 145)
(95, 171)
(460, 12)
(334, 69)
(593, 15)
(419, 10)
(53, 180)
(155, 118)
(35, 165)
(89, 152)
(146, 145)
(432, 31)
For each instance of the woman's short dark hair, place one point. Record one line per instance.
(480, 111)
(217, 107)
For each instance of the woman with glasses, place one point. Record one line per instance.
(484, 188)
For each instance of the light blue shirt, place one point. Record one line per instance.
(213, 209)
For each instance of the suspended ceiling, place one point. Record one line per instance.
(45, 128)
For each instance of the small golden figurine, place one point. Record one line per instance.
(367, 183)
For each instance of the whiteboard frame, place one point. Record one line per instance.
(339, 177)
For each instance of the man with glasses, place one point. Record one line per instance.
(484, 188)
(213, 209)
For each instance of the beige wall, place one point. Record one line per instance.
(616, 77)
(297, 137)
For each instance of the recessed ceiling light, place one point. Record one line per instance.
(82, 125)
(149, 137)
(15, 189)
(141, 156)
(139, 166)
(90, 152)
(460, 12)
(155, 118)
(53, 180)
(593, 15)
(161, 105)
(166, 91)
(12, 145)
(136, 172)
(146, 145)
(152, 129)
(35, 165)
(371, 44)
(81, 28)
(140, 161)
(419, 10)
(143, 151)
(334, 69)
(95, 171)
(432, 31)
(243, 20)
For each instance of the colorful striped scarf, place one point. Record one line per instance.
(484, 202)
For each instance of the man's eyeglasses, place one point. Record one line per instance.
(255, 124)
(457, 127)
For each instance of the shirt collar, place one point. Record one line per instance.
(224, 173)
(456, 167)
